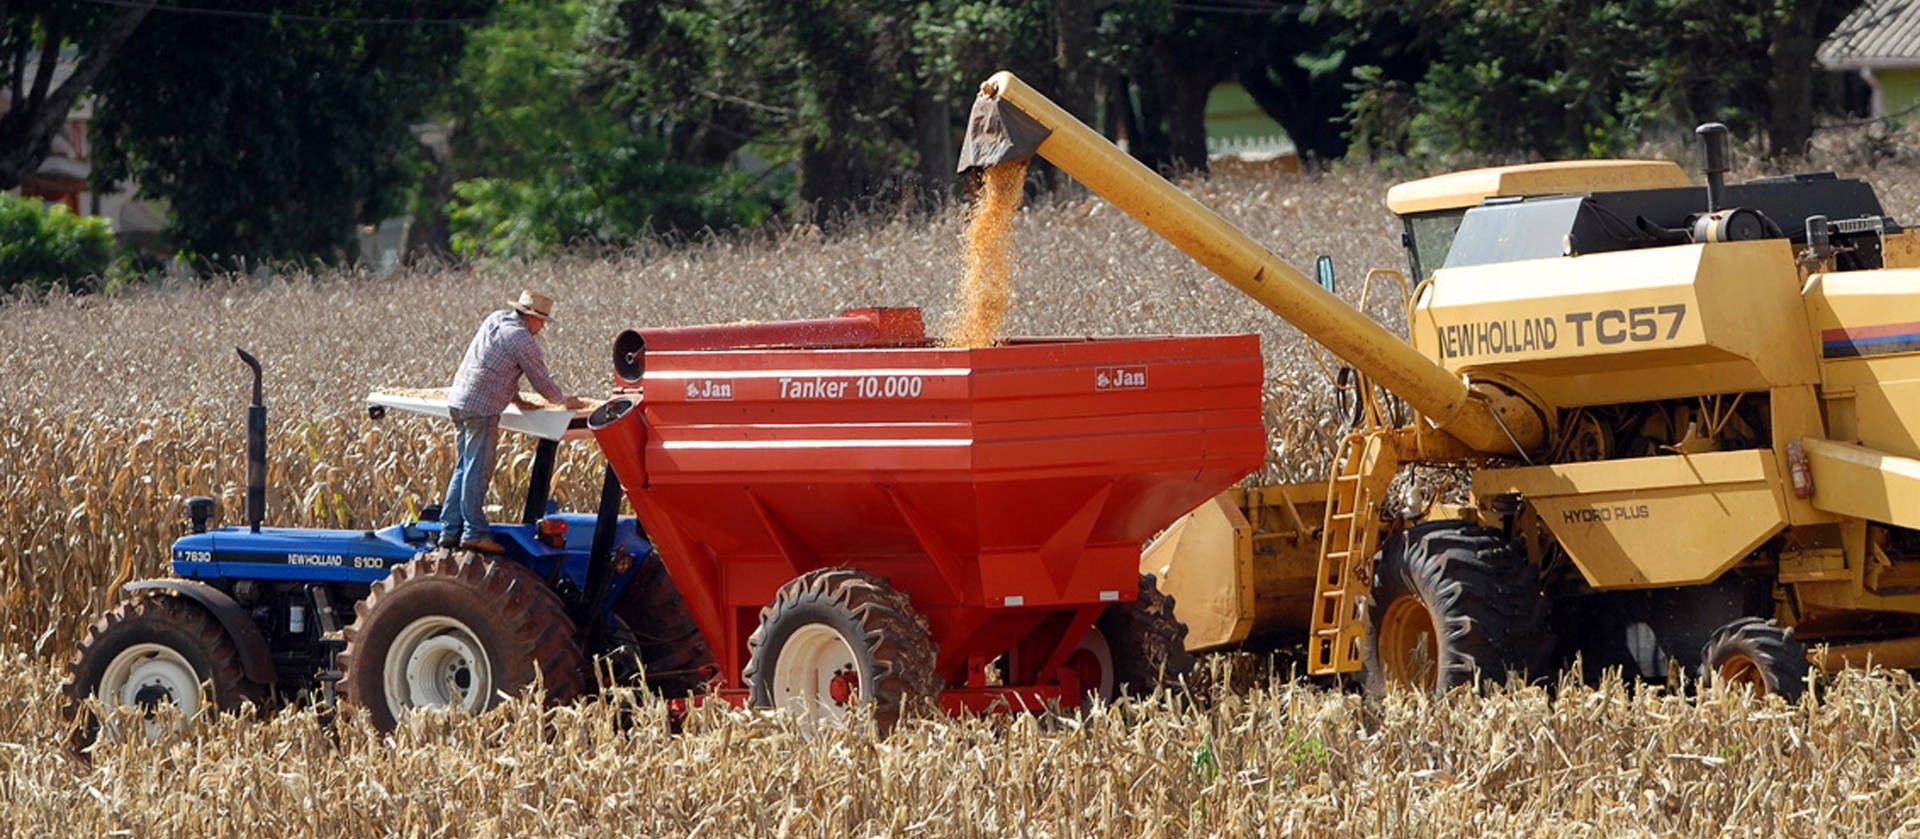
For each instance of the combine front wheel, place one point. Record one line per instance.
(836, 638)
(146, 653)
(1758, 654)
(455, 630)
(1451, 599)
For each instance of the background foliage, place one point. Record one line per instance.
(46, 247)
(514, 127)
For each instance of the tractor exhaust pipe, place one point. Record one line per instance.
(1011, 121)
(256, 448)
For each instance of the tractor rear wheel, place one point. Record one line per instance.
(1147, 644)
(457, 630)
(1758, 654)
(837, 638)
(1450, 601)
(666, 640)
(145, 653)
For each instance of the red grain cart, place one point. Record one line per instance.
(854, 515)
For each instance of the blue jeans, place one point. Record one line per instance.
(475, 437)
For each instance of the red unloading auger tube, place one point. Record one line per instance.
(1006, 490)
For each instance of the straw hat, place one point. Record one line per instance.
(534, 305)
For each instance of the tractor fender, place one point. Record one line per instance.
(255, 658)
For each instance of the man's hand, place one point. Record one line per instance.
(575, 403)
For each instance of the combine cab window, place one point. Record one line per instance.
(1428, 238)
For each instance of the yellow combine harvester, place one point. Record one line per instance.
(1688, 422)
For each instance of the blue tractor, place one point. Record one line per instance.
(271, 614)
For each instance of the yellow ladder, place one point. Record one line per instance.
(1366, 466)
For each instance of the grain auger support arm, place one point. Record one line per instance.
(1012, 122)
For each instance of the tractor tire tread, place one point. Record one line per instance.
(530, 614)
(225, 675)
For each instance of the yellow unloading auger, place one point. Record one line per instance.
(1012, 122)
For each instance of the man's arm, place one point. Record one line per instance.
(533, 365)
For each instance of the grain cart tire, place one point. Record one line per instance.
(1148, 645)
(1451, 600)
(671, 648)
(455, 629)
(146, 652)
(1757, 653)
(839, 637)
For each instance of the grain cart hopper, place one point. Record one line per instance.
(857, 516)
(1688, 421)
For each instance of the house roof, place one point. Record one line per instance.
(1879, 35)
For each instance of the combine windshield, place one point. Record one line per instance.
(1428, 237)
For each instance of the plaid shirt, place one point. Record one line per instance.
(500, 354)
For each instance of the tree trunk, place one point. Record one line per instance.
(835, 181)
(933, 140)
(1790, 88)
(28, 128)
(1073, 32)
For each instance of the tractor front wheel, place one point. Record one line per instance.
(1451, 600)
(837, 638)
(456, 630)
(1757, 654)
(146, 653)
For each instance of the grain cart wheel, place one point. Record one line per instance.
(671, 648)
(145, 653)
(839, 637)
(1450, 599)
(1147, 644)
(1756, 653)
(458, 630)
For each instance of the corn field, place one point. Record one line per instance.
(122, 406)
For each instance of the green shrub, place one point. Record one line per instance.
(47, 246)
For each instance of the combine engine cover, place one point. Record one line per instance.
(1624, 326)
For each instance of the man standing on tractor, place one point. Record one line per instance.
(488, 380)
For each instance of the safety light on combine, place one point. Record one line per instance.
(552, 532)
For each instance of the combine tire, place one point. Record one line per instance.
(1756, 653)
(663, 634)
(836, 638)
(457, 630)
(1450, 600)
(1146, 644)
(148, 652)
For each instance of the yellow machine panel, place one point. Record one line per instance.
(1652, 521)
(1627, 325)
(1242, 564)
(1469, 188)
(1868, 324)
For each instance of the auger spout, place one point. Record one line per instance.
(1011, 121)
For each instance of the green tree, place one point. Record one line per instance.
(866, 98)
(34, 37)
(273, 131)
(539, 158)
(48, 246)
(1565, 78)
